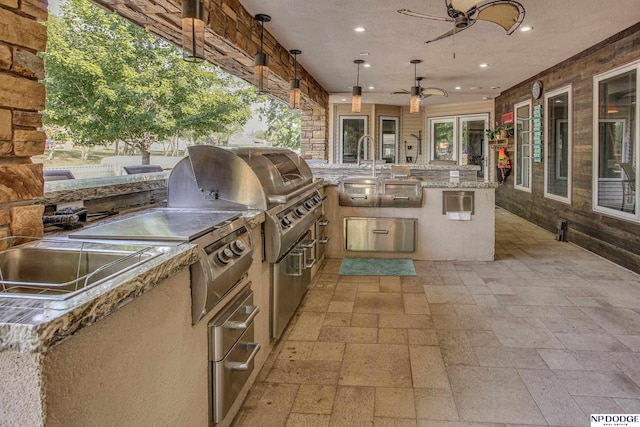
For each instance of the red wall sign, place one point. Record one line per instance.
(507, 119)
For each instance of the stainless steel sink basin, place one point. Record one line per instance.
(380, 192)
(60, 270)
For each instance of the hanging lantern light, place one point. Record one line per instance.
(192, 31)
(294, 91)
(414, 106)
(356, 101)
(261, 63)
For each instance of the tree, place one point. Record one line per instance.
(283, 126)
(108, 80)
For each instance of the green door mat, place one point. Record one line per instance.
(377, 267)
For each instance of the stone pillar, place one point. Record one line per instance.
(315, 131)
(22, 97)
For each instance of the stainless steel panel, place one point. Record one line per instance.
(227, 327)
(229, 375)
(290, 278)
(401, 193)
(380, 234)
(358, 191)
(458, 201)
(321, 237)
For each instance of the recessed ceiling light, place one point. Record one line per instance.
(366, 65)
(458, 88)
(364, 53)
(484, 65)
(486, 98)
(371, 88)
(526, 28)
(359, 29)
(344, 99)
(558, 101)
(475, 87)
(495, 87)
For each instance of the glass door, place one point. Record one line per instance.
(472, 141)
(389, 139)
(443, 145)
(352, 128)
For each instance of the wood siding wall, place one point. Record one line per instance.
(615, 239)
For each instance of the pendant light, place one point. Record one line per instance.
(414, 106)
(294, 91)
(356, 101)
(192, 31)
(261, 63)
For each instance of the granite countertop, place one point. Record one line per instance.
(431, 176)
(33, 325)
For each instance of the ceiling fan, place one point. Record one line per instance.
(508, 14)
(425, 92)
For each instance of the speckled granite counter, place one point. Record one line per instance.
(431, 176)
(32, 325)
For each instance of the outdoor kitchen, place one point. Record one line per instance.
(376, 273)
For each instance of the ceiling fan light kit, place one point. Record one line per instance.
(508, 14)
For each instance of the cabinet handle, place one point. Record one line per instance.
(359, 196)
(400, 197)
(324, 241)
(234, 324)
(380, 231)
(244, 366)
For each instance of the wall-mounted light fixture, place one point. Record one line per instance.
(294, 91)
(414, 106)
(261, 63)
(356, 101)
(192, 30)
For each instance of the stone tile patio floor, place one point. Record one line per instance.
(547, 334)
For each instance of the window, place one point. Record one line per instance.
(523, 138)
(388, 139)
(615, 131)
(459, 139)
(557, 164)
(352, 128)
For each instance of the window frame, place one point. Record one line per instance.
(341, 120)
(607, 211)
(547, 153)
(528, 103)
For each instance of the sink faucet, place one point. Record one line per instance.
(373, 154)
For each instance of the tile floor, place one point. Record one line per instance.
(545, 335)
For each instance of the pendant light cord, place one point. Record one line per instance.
(261, 36)
(358, 76)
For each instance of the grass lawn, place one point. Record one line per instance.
(73, 157)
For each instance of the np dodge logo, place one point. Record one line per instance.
(615, 420)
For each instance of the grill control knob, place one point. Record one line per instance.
(285, 222)
(238, 247)
(299, 211)
(308, 204)
(225, 255)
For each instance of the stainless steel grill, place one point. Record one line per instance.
(274, 180)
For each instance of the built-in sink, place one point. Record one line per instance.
(59, 270)
(380, 192)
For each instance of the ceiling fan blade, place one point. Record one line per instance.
(422, 15)
(451, 32)
(428, 91)
(401, 92)
(465, 5)
(506, 13)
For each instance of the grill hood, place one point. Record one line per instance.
(237, 178)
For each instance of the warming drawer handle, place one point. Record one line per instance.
(324, 241)
(300, 256)
(234, 324)
(310, 263)
(323, 223)
(380, 231)
(358, 196)
(244, 366)
(400, 197)
(308, 244)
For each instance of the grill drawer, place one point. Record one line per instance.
(380, 234)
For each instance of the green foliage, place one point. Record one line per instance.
(283, 126)
(108, 80)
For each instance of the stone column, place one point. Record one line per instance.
(314, 129)
(22, 97)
